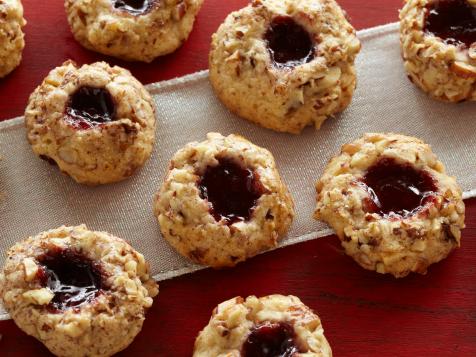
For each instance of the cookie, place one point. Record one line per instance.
(96, 122)
(269, 326)
(79, 292)
(285, 64)
(438, 40)
(223, 201)
(133, 30)
(391, 204)
(12, 39)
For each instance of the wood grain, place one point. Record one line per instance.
(364, 314)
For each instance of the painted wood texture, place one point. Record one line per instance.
(364, 314)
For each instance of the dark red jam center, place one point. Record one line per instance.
(231, 189)
(289, 44)
(90, 107)
(454, 21)
(271, 340)
(134, 7)
(72, 277)
(397, 189)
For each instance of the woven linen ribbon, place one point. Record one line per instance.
(35, 197)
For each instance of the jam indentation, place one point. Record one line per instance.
(397, 189)
(454, 21)
(134, 7)
(89, 107)
(72, 277)
(289, 44)
(232, 190)
(271, 340)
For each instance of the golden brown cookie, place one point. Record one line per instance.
(391, 203)
(96, 122)
(133, 30)
(285, 64)
(438, 40)
(223, 201)
(81, 293)
(269, 326)
(11, 35)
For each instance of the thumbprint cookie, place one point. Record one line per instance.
(223, 201)
(438, 40)
(391, 203)
(96, 122)
(79, 292)
(285, 64)
(12, 39)
(269, 326)
(133, 30)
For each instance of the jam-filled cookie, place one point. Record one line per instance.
(133, 30)
(391, 203)
(269, 326)
(81, 293)
(438, 39)
(285, 64)
(223, 201)
(96, 122)
(11, 35)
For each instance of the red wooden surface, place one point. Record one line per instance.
(364, 314)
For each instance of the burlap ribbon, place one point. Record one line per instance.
(35, 197)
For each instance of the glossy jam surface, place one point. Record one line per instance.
(454, 21)
(134, 7)
(90, 107)
(289, 44)
(231, 189)
(271, 340)
(397, 189)
(72, 277)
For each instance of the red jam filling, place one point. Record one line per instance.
(289, 44)
(271, 340)
(397, 189)
(72, 277)
(454, 21)
(90, 107)
(232, 190)
(134, 7)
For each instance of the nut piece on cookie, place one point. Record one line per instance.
(79, 292)
(391, 204)
(12, 39)
(133, 30)
(438, 40)
(96, 122)
(285, 64)
(223, 201)
(269, 326)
